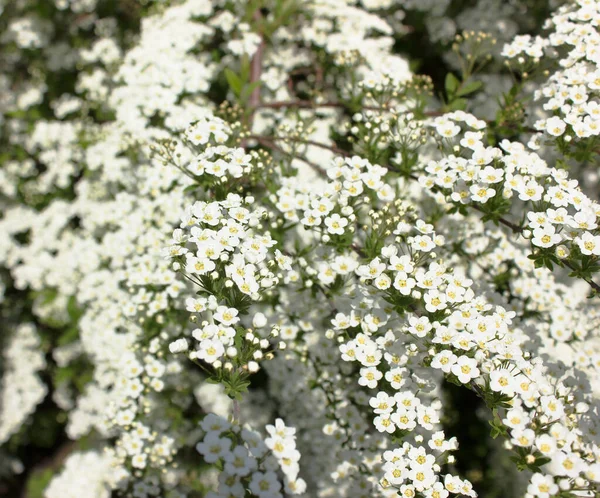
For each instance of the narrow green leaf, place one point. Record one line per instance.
(468, 88)
(451, 84)
(248, 89)
(458, 105)
(234, 81)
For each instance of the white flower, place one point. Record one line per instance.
(481, 193)
(239, 462)
(502, 381)
(542, 486)
(265, 484)
(403, 283)
(213, 447)
(589, 244)
(335, 224)
(465, 369)
(444, 360)
(369, 377)
(447, 129)
(226, 316)
(214, 423)
(546, 444)
(210, 350)
(545, 236)
(555, 126)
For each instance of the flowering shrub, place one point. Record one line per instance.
(318, 248)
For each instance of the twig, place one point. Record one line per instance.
(236, 411)
(255, 73)
(271, 145)
(273, 138)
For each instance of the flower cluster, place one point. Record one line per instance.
(570, 93)
(561, 219)
(250, 461)
(22, 388)
(190, 188)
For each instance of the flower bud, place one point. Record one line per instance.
(259, 321)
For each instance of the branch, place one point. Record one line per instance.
(256, 72)
(593, 284)
(265, 141)
(272, 138)
(309, 104)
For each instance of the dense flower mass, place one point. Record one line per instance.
(315, 248)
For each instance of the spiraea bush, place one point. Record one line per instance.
(315, 248)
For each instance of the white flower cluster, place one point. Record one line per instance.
(22, 388)
(571, 91)
(249, 461)
(356, 260)
(71, 482)
(225, 243)
(561, 216)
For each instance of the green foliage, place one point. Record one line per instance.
(38, 481)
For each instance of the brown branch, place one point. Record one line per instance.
(309, 104)
(271, 145)
(593, 284)
(513, 226)
(332, 148)
(255, 73)
(256, 63)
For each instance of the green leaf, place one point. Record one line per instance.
(38, 481)
(245, 68)
(73, 310)
(468, 88)
(234, 82)
(458, 105)
(451, 84)
(248, 89)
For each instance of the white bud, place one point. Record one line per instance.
(178, 346)
(259, 320)
(253, 367)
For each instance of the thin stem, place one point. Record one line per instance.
(235, 412)
(273, 138)
(271, 145)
